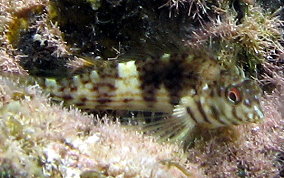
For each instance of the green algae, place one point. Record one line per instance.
(21, 22)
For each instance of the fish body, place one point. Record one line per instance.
(150, 85)
(192, 90)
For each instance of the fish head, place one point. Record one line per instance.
(238, 102)
(246, 100)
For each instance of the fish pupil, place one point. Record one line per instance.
(234, 95)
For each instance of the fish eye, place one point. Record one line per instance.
(234, 95)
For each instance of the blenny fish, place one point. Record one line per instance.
(191, 89)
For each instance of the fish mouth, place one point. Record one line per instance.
(258, 113)
(254, 115)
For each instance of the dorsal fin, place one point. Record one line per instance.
(79, 65)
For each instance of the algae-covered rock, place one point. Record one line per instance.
(123, 27)
(237, 33)
(38, 138)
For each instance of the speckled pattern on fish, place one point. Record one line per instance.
(192, 90)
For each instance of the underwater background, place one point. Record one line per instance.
(40, 137)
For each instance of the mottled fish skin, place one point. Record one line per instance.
(149, 85)
(192, 90)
